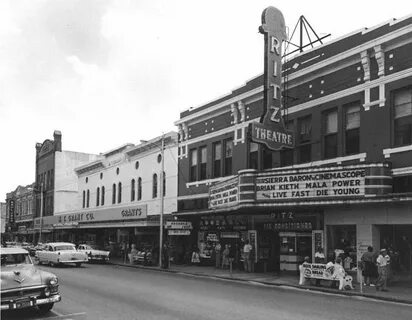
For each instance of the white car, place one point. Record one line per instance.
(56, 253)
(94, 253)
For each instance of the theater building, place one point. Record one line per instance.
(119, 196)
(347, 181)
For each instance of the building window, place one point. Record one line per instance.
(117, 171)
(84, 199)
(352, 125)
(330, 135)
(119, 193)
(114, 194)
(139, 189)
(253, 156)
(228, 157)
(193, 165)
(88, 198)
(403, 116)
(136, 165)
(267, 158)
(202, 163)
(402, 184)
(103, 196)
(164, 184)
(159, 158)
(87, 179)
(217, 159)
(154, 191)
(304, 138)
(101, 175)
(133, 190)
(97, 196)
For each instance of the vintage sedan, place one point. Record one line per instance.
(56, 253)
(94, 253)
(25, 286)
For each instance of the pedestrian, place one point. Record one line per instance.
(247, 263)
(225, 257)
(319, 256)
(369, 267)
(218, 249)
(195, 257)
(382, 264)
(165, 256)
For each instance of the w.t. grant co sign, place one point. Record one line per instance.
(311, 184)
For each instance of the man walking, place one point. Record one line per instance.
(247, 248)
(382, 264)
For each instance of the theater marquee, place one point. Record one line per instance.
(336, 184)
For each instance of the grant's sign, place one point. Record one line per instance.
(271, 129)
(336, 184)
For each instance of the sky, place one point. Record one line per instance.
(107, 72)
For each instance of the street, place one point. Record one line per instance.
(112, 292)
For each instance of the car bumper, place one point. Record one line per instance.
(99, 258)
(32, 303)
(73, 261)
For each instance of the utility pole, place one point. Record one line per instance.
(41, 212)
(161, 202)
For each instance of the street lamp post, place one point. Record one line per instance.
(161, 202)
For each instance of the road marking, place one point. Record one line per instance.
(70, 316)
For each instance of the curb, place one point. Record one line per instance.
(271, 284)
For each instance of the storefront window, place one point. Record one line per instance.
(342, 243)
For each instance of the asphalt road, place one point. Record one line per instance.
(112, 292)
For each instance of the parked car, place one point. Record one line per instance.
(38, 247)
(94, 253)
(25, 286)
(56, 253)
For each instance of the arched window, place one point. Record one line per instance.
(103, 190)
(88, 198)
(119, 196)
(133, 190)
(154, 191)
(84, 198)
(139, 189)
(97, 197)
(164, 184)
(114, 194)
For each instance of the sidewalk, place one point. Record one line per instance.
(398, 292)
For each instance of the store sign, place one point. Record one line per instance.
(288, 226)
(178, 232)
(11, 211)
(109, 214)
(341, 183)
(229, 235)
(182, 225)
(224, 194)
(271, 130)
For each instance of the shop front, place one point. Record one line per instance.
(115, 228)
(288, 215)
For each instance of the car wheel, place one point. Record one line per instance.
(78, 264)
(52, 264)
(44, 308)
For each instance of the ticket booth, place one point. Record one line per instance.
(294, 247)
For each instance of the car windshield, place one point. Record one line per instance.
(13, 259)
(63, 248)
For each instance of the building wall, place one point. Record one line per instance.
(3, 216)
(125, 162)
(66, 183)
(364, 67)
